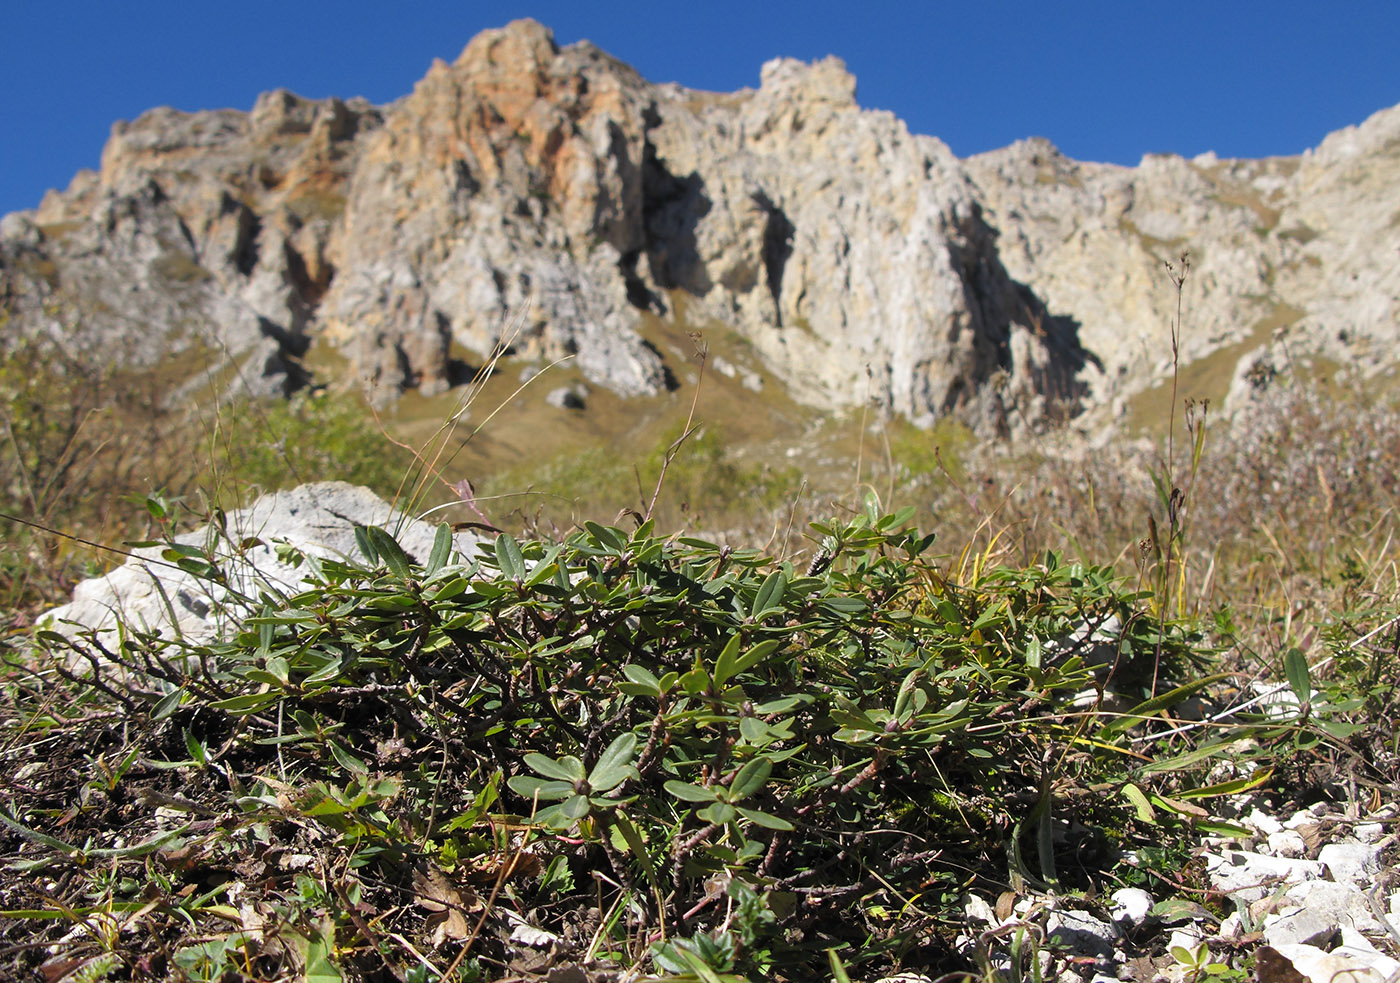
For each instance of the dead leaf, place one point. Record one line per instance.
(182, 859)
(1006, 904)
(449, 905)
(1184, 808)
(521, 865)
(525, 933)
(1312, 837)
(58, 967)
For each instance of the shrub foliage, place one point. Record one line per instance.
(645, 748)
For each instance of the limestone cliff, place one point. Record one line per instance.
(538, 199)
(1291, 257)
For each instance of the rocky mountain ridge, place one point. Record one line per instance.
(542, 200)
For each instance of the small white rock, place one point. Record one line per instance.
(978, 910)
(1342, 965)
(1131, 906)
(1353, 863)
(1263, 822)
(1080, 933)
(1287, 843)
(1304, 817)
(1251, 876)
(1368, 832)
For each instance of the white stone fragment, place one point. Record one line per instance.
(1250, 876)
(1304, 817)
(1131, 907)
(1186, 937)
(1263, 822)
(1345, 964)
(977, 909)
(1081, 933)
(1351, 862)
(1231, 926)
(1368, 832)
(1287, 843)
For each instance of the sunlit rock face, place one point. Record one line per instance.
(545, 202)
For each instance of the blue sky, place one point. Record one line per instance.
(1103, 80)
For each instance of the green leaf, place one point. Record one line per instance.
(1140, 804)
(320, 952)
(725, 662)
(1151, 707)
(704, 545)
(689, 793)
(631, 835)
(442, 548)
(701, 969)
(247, 702)
(1295, 666)
(366, 546)
(347, 760)
(1033, 653)
(636, 845)
(389, 551)
(838, 968)
(1218, 827)
(575, 808)
(1190, 758)
(756, 655)
(695, 681)
(143, 848)
(547, 567)
(607, 536)
(566, 769)
(906, 693)
(642, 676)
(764, 819)
(326, 673)
(752, 777)
(546, 790)
(480, 804)
(718, 812)
(1340, 729)
(1234, 787)
(36, 836)
(753, 730)
(770, 593)
(168, 703)
(1183, 956)
(844, 605)
(615, 764)
(509, 557)
(1174, 911)
(196, 749)
(782, 704)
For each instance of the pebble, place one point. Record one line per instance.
(1312, 916)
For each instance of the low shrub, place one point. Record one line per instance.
(637, 750)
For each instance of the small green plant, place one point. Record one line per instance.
(1198, 964)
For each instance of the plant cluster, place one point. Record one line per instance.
(736, 766)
